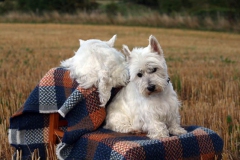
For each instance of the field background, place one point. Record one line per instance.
(204, 68)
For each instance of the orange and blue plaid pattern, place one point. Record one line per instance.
(198, 144)
(85, 138)
(29, 126)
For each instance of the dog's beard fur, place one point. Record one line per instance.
(148, 103)
(97, 63)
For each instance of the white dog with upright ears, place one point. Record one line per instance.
(148, 103)
(97, 63)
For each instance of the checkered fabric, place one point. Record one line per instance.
(198, 144)
(56, 92)
(85, 138)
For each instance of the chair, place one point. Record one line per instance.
(83, 136)
(55, 124)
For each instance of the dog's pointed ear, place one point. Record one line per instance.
(81, 41)
(155, 46)
(112, 41)
(126, 52)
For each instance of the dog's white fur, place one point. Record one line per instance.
(97, 63)
(140, 107)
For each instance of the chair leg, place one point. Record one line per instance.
(53, 124)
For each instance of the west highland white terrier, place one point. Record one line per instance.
(148, 103)
(98, 64)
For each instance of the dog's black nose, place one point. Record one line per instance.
(151, 88)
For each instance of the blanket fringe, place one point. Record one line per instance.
(59, 148)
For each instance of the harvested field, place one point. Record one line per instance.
(203, 66)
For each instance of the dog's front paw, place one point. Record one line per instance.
(104, 98)
(120, 128)
(162, 134)
(125, 129)
(177, 131)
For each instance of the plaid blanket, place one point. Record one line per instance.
(85, 138)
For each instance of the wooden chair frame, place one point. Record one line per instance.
(54, 131)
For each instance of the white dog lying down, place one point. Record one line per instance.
(148, 103)
(97, 63)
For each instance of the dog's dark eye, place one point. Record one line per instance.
(139, 74)
(154, 70)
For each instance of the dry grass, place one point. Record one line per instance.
(147, 18)
(204, 68)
